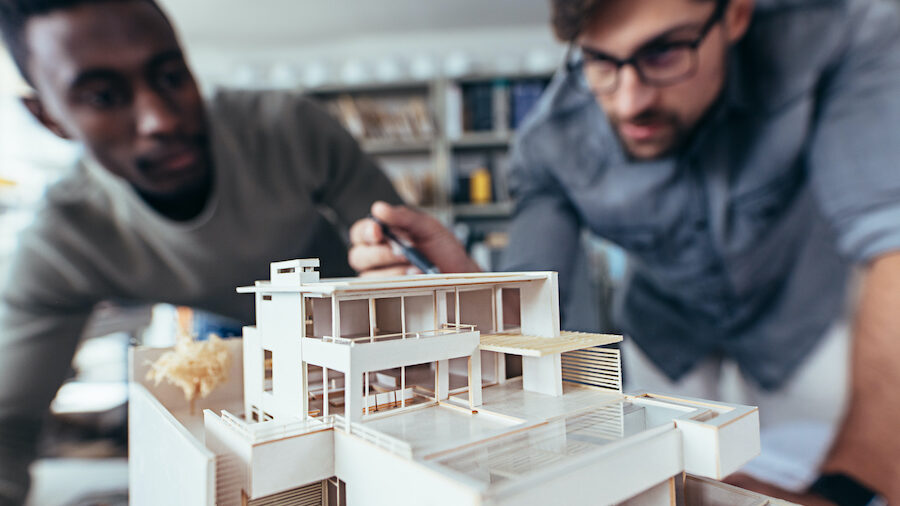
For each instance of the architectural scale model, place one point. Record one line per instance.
(398, 391)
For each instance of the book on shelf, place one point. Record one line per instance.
(497, 105)
(478, 108)
(413, 178)
(523, 95)
(453, 104)
(500, 107)
(394, 118)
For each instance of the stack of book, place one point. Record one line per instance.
(492, 106)
(478, 108)
(523, 95)
(412, 178)
(394, 118)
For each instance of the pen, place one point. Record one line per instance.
(412, 254)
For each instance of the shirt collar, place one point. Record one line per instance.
(736, 94)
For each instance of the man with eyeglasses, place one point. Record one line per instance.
(744, 155)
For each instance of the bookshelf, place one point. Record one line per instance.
(434, 172)
(444, 143)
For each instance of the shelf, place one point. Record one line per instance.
(482, 140)
(494, 76)
(396, 146)
(426, 160)
(394, 87)
(492, 210)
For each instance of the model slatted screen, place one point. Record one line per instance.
(308, 495)
(229, 480)
(597, 366)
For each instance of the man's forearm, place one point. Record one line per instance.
(868, 445)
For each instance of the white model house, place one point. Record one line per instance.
(406, 391)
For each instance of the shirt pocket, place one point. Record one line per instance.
(768, 201)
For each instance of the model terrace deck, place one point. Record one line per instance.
(514, 343)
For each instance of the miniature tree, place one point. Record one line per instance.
(197, 367)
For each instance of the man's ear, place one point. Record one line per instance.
(36, 108)
(738, 15)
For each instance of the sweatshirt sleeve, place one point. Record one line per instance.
(347, 180)
(41, 320)
(316, 158)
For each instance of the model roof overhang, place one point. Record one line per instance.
(337, 286)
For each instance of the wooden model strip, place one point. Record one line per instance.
(588, 362)
(599, 367)
(592, 382)
(461, 409)
(588, 372)
(611, 368)
(594, 377)
(532, 346)
(602, 354)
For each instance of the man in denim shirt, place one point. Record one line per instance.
(745, 157)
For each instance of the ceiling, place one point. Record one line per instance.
(280, 23)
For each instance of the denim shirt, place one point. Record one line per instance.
(743, 241)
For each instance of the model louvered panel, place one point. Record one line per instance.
(229, 479)
(308, 495)
(605, 423)
(596, 366)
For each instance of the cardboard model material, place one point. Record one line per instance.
(395, 391)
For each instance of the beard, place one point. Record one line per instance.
(652, 134)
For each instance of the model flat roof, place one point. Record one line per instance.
(515, 343)
(352, 285)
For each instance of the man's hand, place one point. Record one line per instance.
(372, 255)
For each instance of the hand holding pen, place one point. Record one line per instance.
(412, 254)
(421, 241)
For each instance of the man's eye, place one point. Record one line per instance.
(173, 78)
(664, 55)
(102, 98)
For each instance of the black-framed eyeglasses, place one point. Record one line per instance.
(657, 64)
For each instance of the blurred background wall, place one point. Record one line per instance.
(308, 42)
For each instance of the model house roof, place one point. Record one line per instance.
(331, 286)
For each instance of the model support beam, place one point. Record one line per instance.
(542, 374)
(540, 307)
(475, 379)
(353, 396)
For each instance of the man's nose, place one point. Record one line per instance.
(633, 96)
(154, 114)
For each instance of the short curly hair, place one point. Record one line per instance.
(569, 17)
(14, 17)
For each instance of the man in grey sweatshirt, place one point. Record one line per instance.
(176, 199)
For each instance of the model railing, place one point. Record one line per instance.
(274, 429)
(389, 443)
(446, 329)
